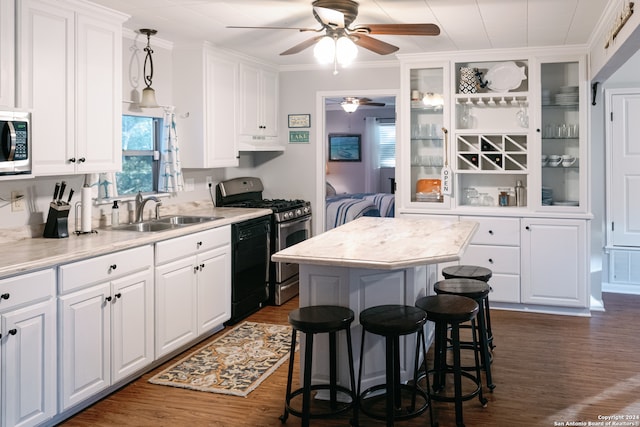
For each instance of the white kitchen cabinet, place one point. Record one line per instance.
(7, 54)
(554, 257)
(70, 67)
(27, 349)
(206, 98)
(193, 286)
(258, 104)
(107, 321)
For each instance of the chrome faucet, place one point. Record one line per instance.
(141, 202)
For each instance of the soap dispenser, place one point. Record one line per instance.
(115, 214)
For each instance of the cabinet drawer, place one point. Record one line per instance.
(103, 268)
(504, 288)
(499, 259)
(191, 244)
(26, 288)
(496, 231)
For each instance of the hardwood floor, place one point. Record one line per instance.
(547, 370)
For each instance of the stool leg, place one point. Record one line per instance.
(333, 394)
(287, 398)
(422, 339)
(356, 412)
(488, 321)
(306, 394)
(484, 346)
(457, 376)
(477, 350)
(439, 359)
(391, 398)
(354, 396)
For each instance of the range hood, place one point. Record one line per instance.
(259, 143)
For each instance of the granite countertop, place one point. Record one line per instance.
(35, 253)
(383, 243)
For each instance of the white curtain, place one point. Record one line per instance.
(103, 185)
(170, 179)
(371, 155)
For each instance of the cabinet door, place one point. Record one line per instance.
(249, 100)
(214, 288)
(85, 345)
(176, 321)
(46, 63)
(132, 324)
(270, 105)
(7, 58)
(98, 95)
(29, 365)
(554, 262)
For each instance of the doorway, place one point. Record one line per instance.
(364, 175)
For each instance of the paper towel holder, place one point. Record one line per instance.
(78, 226)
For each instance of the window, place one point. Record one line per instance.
(140, 158)
(387, 137)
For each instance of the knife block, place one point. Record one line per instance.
(57, 221)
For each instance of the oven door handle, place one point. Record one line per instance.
(268, 257)
(297, 221)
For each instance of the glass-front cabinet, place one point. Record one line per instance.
(561, 128)
(427, 152)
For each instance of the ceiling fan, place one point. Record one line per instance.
(336, 18)
(351, 103)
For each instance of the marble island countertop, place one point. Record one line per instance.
(383, 243)
(35, 253)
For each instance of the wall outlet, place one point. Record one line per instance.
(209, 181)
(17, 201)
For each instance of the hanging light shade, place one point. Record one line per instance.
(148, 94)
(325, 50)
(350, 105)
(346, 51)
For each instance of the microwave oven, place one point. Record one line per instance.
(15, 143)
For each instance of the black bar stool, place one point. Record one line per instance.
(478, 273)
(477, 291)
(391, 322)
(315, 320)
(448, 311)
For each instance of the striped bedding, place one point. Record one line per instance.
(343, 208)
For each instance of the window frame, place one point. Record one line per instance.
(154, 153)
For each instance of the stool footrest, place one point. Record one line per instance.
(341, 406)
(404, 413)
(434, 395)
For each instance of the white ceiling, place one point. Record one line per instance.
(464, 24)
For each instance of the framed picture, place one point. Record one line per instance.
(344, 147)
(299, 120)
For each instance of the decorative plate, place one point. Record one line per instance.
(505, 76)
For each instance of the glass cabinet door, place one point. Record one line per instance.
(427, 151)
(561, 128)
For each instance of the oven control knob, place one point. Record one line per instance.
(298, 212)
(306, 209)
(286, 215)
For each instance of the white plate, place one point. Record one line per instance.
(505, 76)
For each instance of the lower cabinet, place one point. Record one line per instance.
(555, 262)
(106, 322)
(193, 287)
(27, 349)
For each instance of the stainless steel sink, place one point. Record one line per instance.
(148, 226)
(166, 223)
(186, 219)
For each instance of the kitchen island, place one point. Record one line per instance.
(369, 262)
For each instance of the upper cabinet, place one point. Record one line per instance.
(70, 66)
(7, 54)
(206, 85)
(258, 108)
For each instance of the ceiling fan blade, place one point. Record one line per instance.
(331, 17)
(276, 28)
(400, 29)
(374, 45)
(373, 104)
(301, 46)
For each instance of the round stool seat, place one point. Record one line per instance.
(390, 320)
(448, 308)
(470, 288)
(468, 272)
(321, 318)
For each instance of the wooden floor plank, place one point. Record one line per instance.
(547, 370)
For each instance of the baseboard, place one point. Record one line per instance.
(621, 288)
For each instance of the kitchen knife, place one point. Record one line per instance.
(62, 188)
(55, 192)
(70, 196)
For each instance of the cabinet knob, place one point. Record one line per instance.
(527, 227)
(490, 260)
(537, 130)
(196, 268)
(72, 160)
(108, 299)
(13, 331)
(491, 232)
(198, 244)
(5, 296)
(201, 266)
(81, 160)
(113, 266)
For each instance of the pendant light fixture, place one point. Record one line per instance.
(350, 105)
(335, 48)
(148, 94)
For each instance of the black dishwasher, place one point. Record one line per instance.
(249, 267)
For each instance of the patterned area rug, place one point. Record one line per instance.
(235, 363)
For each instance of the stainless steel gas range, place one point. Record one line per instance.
(290, 224)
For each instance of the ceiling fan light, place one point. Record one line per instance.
(346, 51)
(325, 50)
(350, 106)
